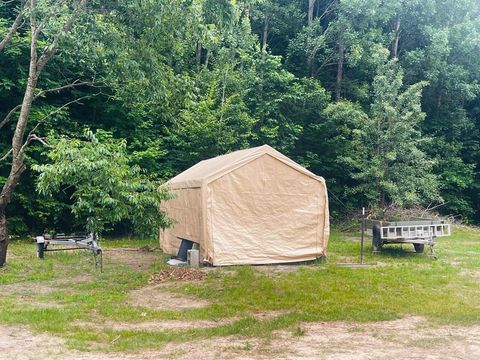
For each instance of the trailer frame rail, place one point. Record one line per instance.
(80, 242)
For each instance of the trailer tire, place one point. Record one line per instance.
(377, 242)
(40, 250)
(419, 248)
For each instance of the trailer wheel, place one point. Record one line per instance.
(40, 250)
(377, 242)
(419, 248)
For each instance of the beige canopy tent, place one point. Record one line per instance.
(253, 206)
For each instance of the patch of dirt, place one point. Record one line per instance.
(43, 287)
(407, 338)
(137, 259)
(21, 344)
(357, 238)
(346, 260)
(28, 288)
(27, 292)
(159, 298)
(159, 325)
(244, 348)
(18, 343)
(474, 274)
(268, 315)
(174, 325)
(467, 242)
(278, 269)
(177, 274)
(455, 262)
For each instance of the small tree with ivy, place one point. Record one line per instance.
(106, 188)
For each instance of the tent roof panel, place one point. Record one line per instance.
(210, 169)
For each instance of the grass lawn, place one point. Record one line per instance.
(65, 296)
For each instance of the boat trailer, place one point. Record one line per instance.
(76, 242)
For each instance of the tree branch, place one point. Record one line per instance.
(75, 101)
(13, 28)
(40, 140)
(327, 10)
(6, 155)
(53, 13)
(76, 83)
(53, 47)
(9, 115)
(31, 135)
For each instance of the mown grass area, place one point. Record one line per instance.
(64, 295)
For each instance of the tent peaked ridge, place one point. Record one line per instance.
(210, 169)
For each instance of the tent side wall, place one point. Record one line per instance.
(324, 220)
(186, 210)
(266, 212)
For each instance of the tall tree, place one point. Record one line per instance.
(311, 8)
(387, 157)
(48, 25)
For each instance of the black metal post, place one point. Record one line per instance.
(363, 230)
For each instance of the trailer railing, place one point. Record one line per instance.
(393, 232)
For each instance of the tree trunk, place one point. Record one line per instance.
(198, 54)
(440, 95)
(207, 55)
(3, 237)
(224, 87)
(379, 151)
(338, 84)
(265, 34)
(19, 142)
(245, 12)
(18, 167)
(396, 39)
(311, 6)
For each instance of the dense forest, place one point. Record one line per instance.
(381, 98)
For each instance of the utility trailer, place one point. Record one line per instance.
(74, 242)
(418, 232)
